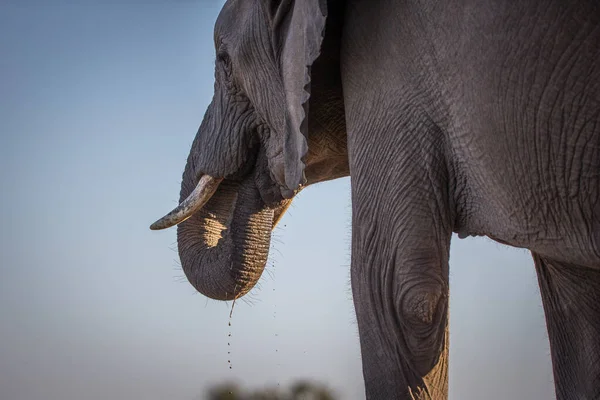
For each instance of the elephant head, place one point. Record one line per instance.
(256, 146)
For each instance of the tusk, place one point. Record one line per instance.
(203, 191)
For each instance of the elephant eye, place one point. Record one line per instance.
(223, 58)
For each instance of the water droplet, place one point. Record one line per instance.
(231, 312)
(229, 334)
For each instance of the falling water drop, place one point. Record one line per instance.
(231, 312)
(229, 334)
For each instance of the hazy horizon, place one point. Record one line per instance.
(100, 105)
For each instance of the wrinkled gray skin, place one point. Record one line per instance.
(481, 118)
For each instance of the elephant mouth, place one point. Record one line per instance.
(206, 188)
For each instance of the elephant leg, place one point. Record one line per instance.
(401, 230)
(571, 299)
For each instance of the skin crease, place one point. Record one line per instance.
(480, 118)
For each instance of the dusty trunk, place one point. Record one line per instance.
(224, 247)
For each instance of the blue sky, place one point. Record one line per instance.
(99, 104)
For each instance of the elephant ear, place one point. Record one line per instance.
(301, 44)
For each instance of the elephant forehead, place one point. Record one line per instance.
(233, 18)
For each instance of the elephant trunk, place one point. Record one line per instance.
(224, 246)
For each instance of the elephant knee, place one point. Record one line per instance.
(419, 305)
(422, 311)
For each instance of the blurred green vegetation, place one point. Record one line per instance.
(301, 390)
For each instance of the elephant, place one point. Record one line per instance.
(467, 117)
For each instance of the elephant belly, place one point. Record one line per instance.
(535, 185)
(524, 127)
